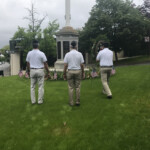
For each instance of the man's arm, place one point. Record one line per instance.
(47, 69)
(28, 68)
(65, 70)
(97, 60)
(82, 69)
(98, 57)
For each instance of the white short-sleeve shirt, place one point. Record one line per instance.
(105, 57)
(74, 59)
(36, 58)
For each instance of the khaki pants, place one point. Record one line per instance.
(105, 75)
(74, 79)
(37, 75)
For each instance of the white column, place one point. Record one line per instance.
(15, 63)
(62, 53)
(67, 14)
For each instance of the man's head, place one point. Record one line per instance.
(73, 44)
(105, 45)
(101, 47)
(35, 44)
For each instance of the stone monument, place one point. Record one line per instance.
(64, 37)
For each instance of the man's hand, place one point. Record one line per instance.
(47, 69)
(28, 69)
(48, 75)
(65, 70)
(65, 77)
(82, 69)
(28, 73)
(83, 75)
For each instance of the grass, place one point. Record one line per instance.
(133, 60)
(122, 123)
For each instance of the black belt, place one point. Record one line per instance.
(105, 66)
(73, 69)
(36, 68)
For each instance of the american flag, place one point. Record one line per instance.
(113, 71)
(26, 75)
(20, 73)
(94, 73)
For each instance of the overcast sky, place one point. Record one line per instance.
(12, 13)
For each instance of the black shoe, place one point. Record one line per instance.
(77, 104)
(109, 97)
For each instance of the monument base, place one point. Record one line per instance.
(59, 64)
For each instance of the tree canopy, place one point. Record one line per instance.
(117, 21)
(34, 31)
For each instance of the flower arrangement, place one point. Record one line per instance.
(54, 75)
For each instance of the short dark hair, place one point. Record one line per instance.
(73, 44)
(35, 44)
(105, 44)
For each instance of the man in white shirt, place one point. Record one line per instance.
(105, 57)
(36, 62)
(74, 62)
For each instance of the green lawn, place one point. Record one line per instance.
(133, 60)
(122, 123)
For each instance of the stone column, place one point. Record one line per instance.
(15, 63)
(67, 14)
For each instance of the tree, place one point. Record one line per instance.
(27, 35)
(48, 42)
(120, 22)
(5, 52)
(34, 23)
(45, 37)
(145, 8)
(25, 38)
